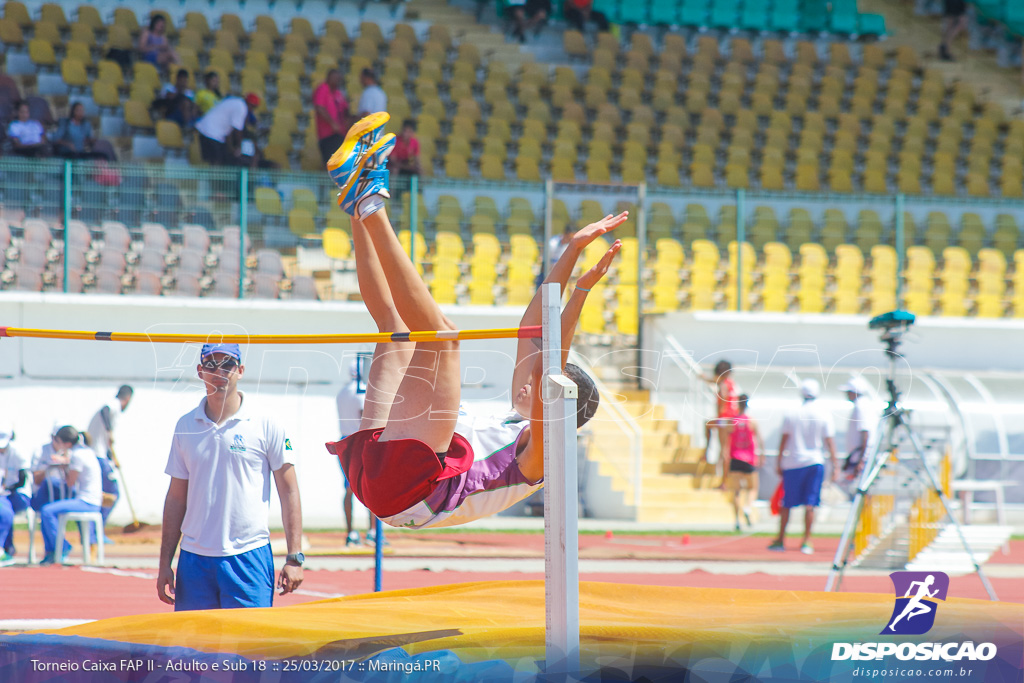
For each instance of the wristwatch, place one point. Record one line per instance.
(297, 558)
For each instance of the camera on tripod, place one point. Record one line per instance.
(893, 324)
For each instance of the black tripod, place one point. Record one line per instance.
(877, 457)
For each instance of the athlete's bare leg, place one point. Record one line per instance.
(431, 387)
(391, 359)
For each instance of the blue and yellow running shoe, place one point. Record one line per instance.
(346, 163)
(372, 178)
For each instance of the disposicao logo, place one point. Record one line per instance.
(914, 612)
(917, 594)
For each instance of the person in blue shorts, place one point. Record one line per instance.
(221, 460)
(806, 434)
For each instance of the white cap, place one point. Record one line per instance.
(6, 434)
(353, 369)
(855, 384)
(809, 388)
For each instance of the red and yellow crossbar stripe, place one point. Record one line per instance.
(530, 332)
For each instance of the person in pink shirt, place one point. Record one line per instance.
(331, 114)
(405, 158)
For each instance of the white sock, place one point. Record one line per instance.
(370, 205)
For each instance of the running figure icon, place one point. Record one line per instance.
(916, 606)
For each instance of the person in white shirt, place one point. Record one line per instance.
(806, 434)
(220, 130)
(101, 440)
(27, 135)
(14, 492)
(859, 427)
(221, 459)
(84, 475)
(373, 99)
(48, 482)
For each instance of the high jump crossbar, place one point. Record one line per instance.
(528, 332)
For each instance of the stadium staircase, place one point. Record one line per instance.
(676, 486)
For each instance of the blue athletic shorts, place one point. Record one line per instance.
(802, 486)
(245, 580)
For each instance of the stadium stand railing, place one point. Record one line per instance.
(130, 229)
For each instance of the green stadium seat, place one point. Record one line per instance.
(724, 13)
(843, 22)
(634, 13)
(664, 12)
(693, 13)
(871, 25)
(754, 17)
(782, 19)
(610, 8)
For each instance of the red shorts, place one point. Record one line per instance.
(391, 476)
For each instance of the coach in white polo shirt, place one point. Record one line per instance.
(220, 464)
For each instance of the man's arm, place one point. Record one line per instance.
(830, 444)
(174, 515)
(759, 441)
(291, 514)
(560, 273)
(783, 442)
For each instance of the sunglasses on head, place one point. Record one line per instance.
(228, 364)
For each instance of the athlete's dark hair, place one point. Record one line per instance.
(68, 434)
(587, 399)
(722, 367)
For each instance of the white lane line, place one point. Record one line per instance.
(40, 624)
(317, 594)
(118, 572)
(148, 575)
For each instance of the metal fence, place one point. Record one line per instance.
(266, 209)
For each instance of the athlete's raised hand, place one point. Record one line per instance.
(581, 238)
(600, 269)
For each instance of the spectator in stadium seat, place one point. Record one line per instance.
(806, 434)
(744, 456)
(405, 158)
(373, 98)
(210, 93)
(177, 102)
(579, 12)
(27, 135)
(83, 472)
(154, 45)
(528, 14)
(74, 136)
(220, 130)
(331, 109)
(222, 459)
(954, 22)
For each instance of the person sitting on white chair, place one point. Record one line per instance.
(85, 473)
(14, 487)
